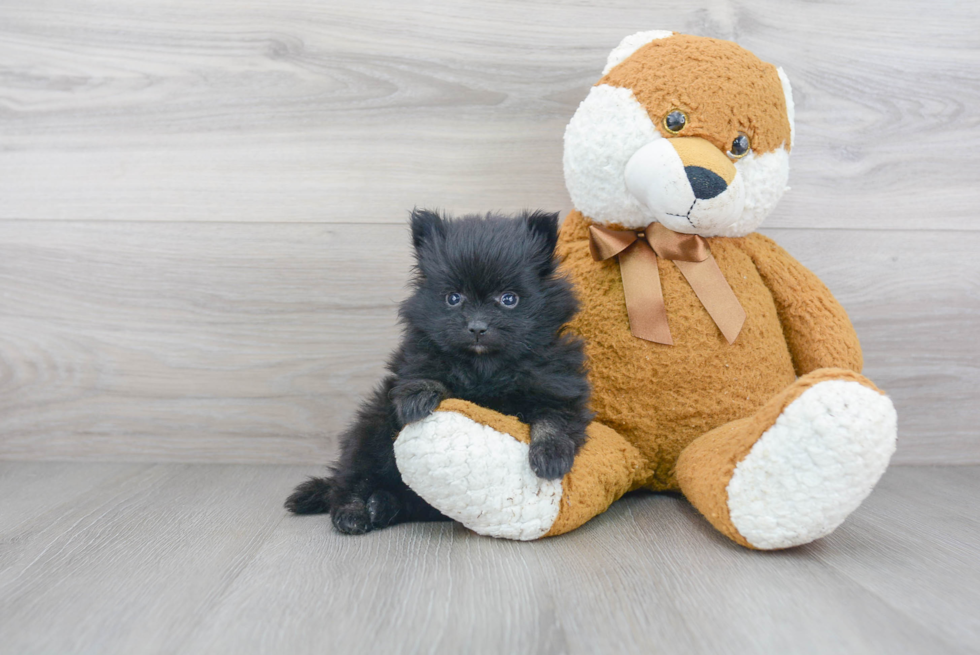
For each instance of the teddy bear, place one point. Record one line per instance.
(720, 366)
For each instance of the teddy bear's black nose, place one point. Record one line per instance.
(705, 183)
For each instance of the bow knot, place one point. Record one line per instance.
(638, 250)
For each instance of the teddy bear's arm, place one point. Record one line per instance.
(817, 330)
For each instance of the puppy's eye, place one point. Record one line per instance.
(675, 121)
(453, 299)
(740, 146)
(509, 300)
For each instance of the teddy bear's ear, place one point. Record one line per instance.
(544, 225)
(426, 225)
(790, 108)
(631, 44)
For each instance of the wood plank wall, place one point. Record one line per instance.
(202, 205)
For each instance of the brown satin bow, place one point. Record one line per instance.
(638, 250)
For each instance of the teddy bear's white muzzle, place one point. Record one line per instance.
(656, 176)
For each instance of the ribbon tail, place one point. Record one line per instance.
(715, 294)
(644, 295)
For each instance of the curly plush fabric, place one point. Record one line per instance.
(706, 468)
(478, 475)
(723, 89)
(660, 398)
(817, 330)
(774, 438)
(606, 467)
(836, 438)
(729, 92)
(472, 463)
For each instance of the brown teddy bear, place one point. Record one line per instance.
(721, 367)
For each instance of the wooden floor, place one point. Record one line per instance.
(200, 558)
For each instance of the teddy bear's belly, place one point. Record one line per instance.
(663, 397)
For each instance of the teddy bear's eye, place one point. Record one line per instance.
(453, 299)
(740, 146)
(675, 121)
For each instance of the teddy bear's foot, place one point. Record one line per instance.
(471, 464)
(796, 469)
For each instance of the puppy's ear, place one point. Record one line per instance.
(544, 226)
(426, 225)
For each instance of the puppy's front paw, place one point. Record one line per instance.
(551, 458)
(382, 508)
(416, 399)
(352, 518)
(359, 517)
(417, 406)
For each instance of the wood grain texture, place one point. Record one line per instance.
(896, 519)
(255, 342)
(191, 341)
(191, 559)
(31, 489)
(331, 111)
(133, 564)
(201, 204)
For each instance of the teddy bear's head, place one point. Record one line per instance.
(687, 131)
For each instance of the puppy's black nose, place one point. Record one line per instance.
(478, 328)
(705, 183)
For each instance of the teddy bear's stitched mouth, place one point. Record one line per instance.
(688, 214)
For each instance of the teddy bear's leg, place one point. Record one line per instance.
(792, 472)
(471, 464)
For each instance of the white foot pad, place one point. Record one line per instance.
(477, 476)
(812, 468)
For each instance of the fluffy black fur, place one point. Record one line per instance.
(462, 340)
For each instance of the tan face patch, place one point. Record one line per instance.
(723, 88)
(698, 152)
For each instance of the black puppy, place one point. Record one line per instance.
(484, 324)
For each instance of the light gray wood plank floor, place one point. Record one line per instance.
(184, 558)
